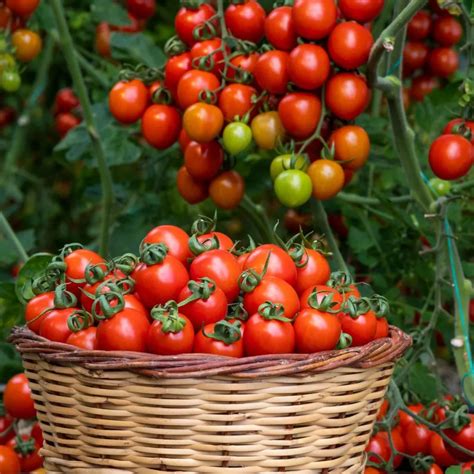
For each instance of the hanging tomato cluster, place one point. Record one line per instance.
(198, 293)
(18, 44)
(426, 449)
(237, 79)
(66, 113)
(429, 53)
(20, 434)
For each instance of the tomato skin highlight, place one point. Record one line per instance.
(246, 21)
(451, 156)
(280, 29)
(128, 101)
(161, 125)
(314, 19)
(207, 345)
(17, 398)
(300, 113)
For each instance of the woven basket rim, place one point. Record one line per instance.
(373, 354)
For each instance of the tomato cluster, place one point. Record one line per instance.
(410, 438)
(429, 53)
(243, 79)
(19, 442)
(198, 293)
(66, 106)
(451, 155)
(17, 42)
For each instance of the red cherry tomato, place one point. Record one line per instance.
(322, 292)
(280, 29)
(422, 86)
(227, 190)
(76, 264)
(349, 45)
(417, 438)
(192, 84)
(235, 100)
(224, 241)
(271, 71)
(242, 63)
(141, 9)
(316, 331)
(347, 95)
(382, 328)
(362, 11)
(161, 125)
(309, 66)
(175, 69)
(37, 309)
(65, 122)
(125, 331)
(314, 19)
(128, 101)
(175, 239)
(300, 113)
(221, 267)
(383, 410)
(204, 344)
(191, 190)
(380, 448)
(406, 419)
(467, 468)
(362, 328)
(172, 341)
(17, 398)
(65, 101)
(447, 31)
(187, 19)
(443, 61)
(313, 269)
(6, 429)
(102, 39)
(438, 450)
(9, 462)
(398, 442)
(212, 50)
(22, 8)
(451, 156)
(85, 339)
(464, 437)
(29, 461)
(415, 55)
(246, 20)
(419, 27)
(55, 325)
(449, 128)
(183, 140)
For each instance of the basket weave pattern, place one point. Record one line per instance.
(107, 412)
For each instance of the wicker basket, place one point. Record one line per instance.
(124, 412)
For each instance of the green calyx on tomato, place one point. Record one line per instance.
(326, 303)
(237, 311)
(379, 305)
(169, 317)
(107, 305)
(63, 298)
(340, 281)
(440, 186)
(293, 188)
(287, 162)
(273, 311)
(356, 307)
(237, 137)
(344, 341)
(152, 254)
(126, 263)
(226, 332)
(95, 272)
(197, 247)
(24, 446)
(250, 279)
(200, 290)
(80, 320)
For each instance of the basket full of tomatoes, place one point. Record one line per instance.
(202, 356)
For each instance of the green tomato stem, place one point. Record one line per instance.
(259, 218)
(10, 235)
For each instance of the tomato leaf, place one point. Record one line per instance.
(8, 253)
(423, 383)
(136, 47)
(110, 12)
(453, 470)
(11, 311)
(31, 269)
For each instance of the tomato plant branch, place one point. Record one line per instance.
(321, 220)
(258, 216)
(357, 199)
(10, 235)
(80, 87)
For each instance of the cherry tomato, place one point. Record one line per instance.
(280, 29)
(7, 116)
(10, 80)
(451, 156)
(453, 126)
(9, 462)
(267, 130)
(406, 419)
(17, 398)
(225, 242)
(7, 431)
(177, 339)
(175, 239)
(191, 190)
(280, 264)
(275, 290)
(187, 19)
(327, 179)
(349, 45)
(314, 19)
(380, 447)
(65, 101)
(203, 161)
(383, 410)
(440, 453)
(271, 71)
(347, 95)
(161, 282)
(128, 101)
(443, 62)
(192, 84)
(313, 269)
(64, 122)
(22, 8)
(85, 339)
(212, 51)
(382, 328)
(76, 264)
(300, 113)
(141, 9)
(434, 469)
(467, 468)
(161, 125)
(308, 66)
(134, 26)
(55, 325)
(268, 336)
(183, 140)
(37, 309)
(204, 344)
(373, 470)
(203, 122)
(361, 328)
(415, 55)
(242, 63)
(417, 438)
(293, 188)
(125, 331)
(237, 137)
(316, 331)
(102, 39)
(28, 461)
(202, 312)
(246, 20)
(285, 162)
(5, 17)
(7, 62)
(422, 86)
(235, 101)
(175, 69)
(351, 146)
(398, 442)
(419, 26)
(221, 267)
(323, 291)
(447, 31)
(362, 11)
(464, 437)
(227, 189)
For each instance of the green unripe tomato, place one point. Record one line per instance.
(10, 81)
(293, 188)
(7, 61)
(237, 137)
(286, 162)
(440, 187)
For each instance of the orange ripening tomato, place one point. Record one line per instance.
(190, 189)
(203, 122)
(351, 146)
(227, 189)
(128, 100)
(327, 178)
(27, 44)
(22, 8)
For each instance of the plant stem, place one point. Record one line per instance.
(10, 234)
(321, 220)
(92, 71)
(257, 215)
(356, 199)
(80, 87)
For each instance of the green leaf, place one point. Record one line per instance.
(8, 252)
(453, 470)
(423, 383)
(11, 311)
(31, 269)
(110, 12)
(118, 149)
(136, 47)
